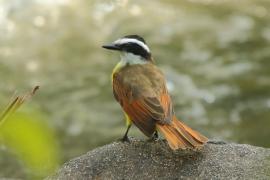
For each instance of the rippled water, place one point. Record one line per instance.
(215, 54)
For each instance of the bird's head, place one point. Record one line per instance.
(131, 47)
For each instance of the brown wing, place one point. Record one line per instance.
(142, 93)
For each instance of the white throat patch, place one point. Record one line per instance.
(130, 58)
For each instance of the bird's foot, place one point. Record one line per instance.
(125, 139)
(154, 137)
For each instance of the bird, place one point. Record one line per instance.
(139, 86)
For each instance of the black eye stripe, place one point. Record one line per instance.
(135, 49)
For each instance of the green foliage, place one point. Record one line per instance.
(29, 137)
(33, 142)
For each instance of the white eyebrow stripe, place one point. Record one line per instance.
(127, 40)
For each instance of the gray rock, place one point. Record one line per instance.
(155, 160)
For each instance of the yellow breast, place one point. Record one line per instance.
(118, 66)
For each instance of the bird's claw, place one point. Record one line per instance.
(125, 139)
(154, 138)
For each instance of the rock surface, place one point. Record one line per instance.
(154, 160)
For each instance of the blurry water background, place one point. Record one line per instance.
(215, 54)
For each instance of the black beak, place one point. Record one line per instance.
(111, 47)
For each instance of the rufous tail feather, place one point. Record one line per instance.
(180, 136)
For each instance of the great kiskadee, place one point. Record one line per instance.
(140, 88)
